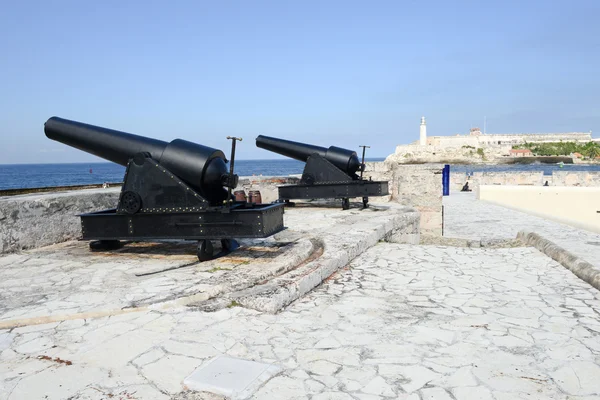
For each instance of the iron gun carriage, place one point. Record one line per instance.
(175, 190)
(328, 173)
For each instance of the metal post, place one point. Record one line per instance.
(362, 165)
(233, 139)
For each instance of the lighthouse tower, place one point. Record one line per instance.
(423, 133)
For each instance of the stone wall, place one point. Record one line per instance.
(36, 220)
(453, 141)
(418, 186)
(491, 140)
(575, 178)
(534, 138)
(380, 171)
(457, 180)
(523, 178)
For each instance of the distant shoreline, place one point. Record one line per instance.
(548, 160)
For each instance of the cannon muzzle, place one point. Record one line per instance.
(203, 168)
(344, 159)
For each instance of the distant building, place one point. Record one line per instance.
(577, 155)
(477, 139)
(477, 146)
(520, 153)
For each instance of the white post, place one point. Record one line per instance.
(423, 133)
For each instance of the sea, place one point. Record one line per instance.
(21, 176)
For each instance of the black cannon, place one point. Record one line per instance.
(176, 190)
(328, 173)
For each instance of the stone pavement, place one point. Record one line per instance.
(67, 281)
(401, 322)
(469, 218)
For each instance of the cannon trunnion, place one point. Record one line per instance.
(176, 190)
(329, 173)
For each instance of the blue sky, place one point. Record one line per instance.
(330, 72)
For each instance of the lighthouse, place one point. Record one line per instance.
(423, 133)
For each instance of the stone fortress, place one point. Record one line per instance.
(475, 147)
(419, 296)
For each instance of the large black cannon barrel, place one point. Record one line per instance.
(344, 159)
(201, 167)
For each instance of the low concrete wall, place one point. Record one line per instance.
(576, 178)
(457, 180)
(505, 178)
(576, 206)
(36, 220)
(525, 178)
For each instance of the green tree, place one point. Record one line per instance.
(589, 149)
(592, 152)
(481, 153)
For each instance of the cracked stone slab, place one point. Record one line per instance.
(353, 233)
(65, 280)
(235, 378)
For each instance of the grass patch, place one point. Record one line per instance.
(233, 304)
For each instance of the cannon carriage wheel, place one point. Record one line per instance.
(206, 250)
(345, 203)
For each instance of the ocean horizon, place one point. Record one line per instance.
(24, 176)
